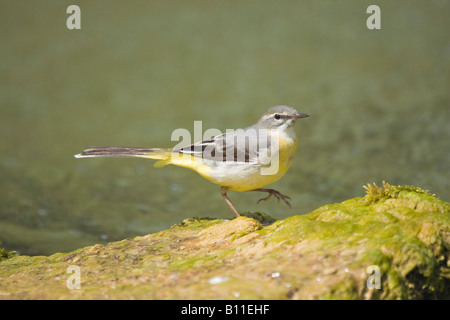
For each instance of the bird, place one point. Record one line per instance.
(239, 160)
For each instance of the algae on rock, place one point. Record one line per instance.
(6, 254)
(404, 231)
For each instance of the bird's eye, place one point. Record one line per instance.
(277, 116)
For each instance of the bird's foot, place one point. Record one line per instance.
(276, 194)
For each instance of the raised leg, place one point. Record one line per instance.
(223, 192)
(274, 193)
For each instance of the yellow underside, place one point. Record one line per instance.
(235, 176)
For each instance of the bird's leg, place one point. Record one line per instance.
(274, 193)
(223, 192)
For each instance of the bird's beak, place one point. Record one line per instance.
(300, 115)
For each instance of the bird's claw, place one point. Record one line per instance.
(277, 195)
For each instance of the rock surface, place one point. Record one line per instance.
(404, 231)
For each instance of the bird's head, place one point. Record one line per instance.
(281, 117)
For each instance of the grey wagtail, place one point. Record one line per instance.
(233, 166)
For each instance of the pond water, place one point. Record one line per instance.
(136, 71)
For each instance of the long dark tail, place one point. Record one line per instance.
(152, 153)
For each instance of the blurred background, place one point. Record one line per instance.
(137, 70)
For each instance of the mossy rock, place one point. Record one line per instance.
(404, 231)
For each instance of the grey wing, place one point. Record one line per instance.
(241, 145)
(200, 149)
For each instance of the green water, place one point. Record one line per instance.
(137, 70)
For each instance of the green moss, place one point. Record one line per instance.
(376, 193)
(6, 254)
(344, 290)
(263, 218)
(405, 231)
(185, 264)
(196, 223)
